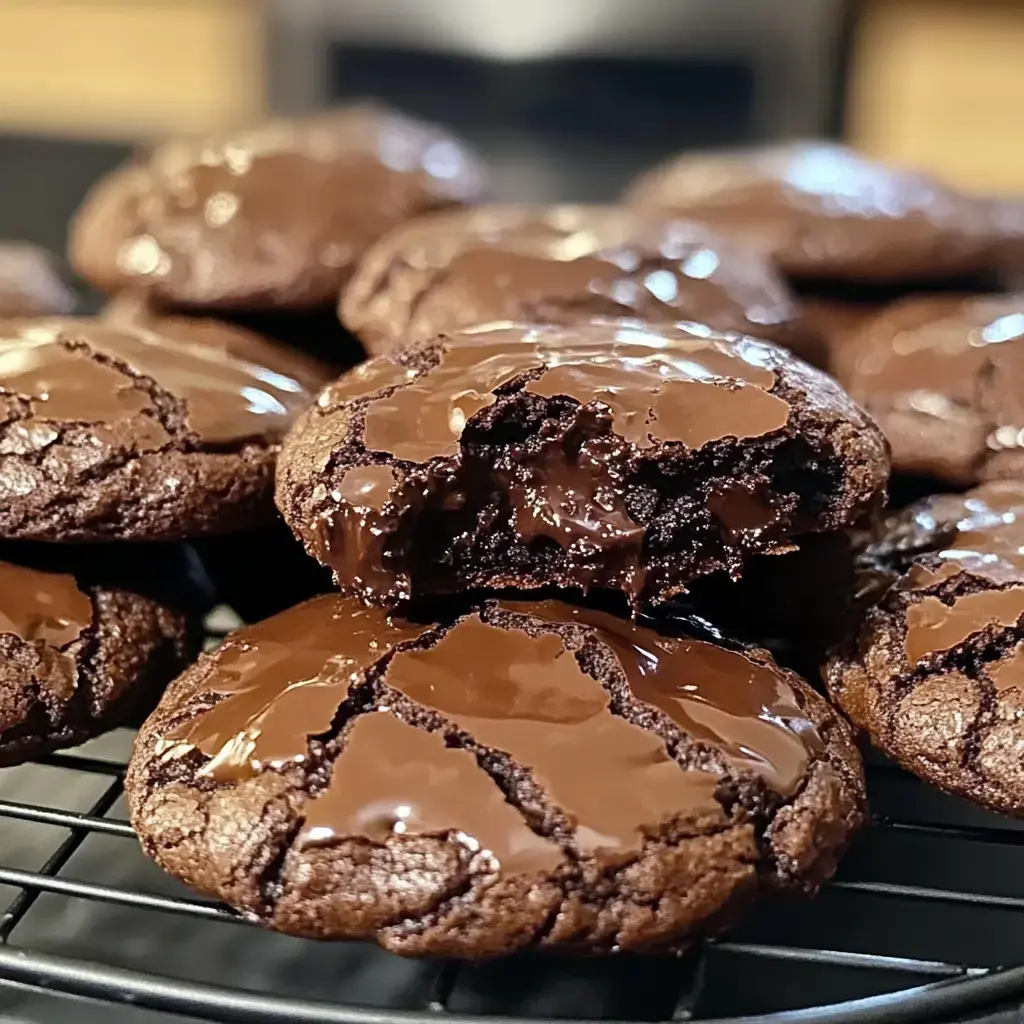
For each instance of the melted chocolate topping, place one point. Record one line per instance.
(821, 209)
(743, 707)
(412, 783)
(934, 356)
(272, 216)
(47, 610)
(558, 264)
(282, 682)
(982, 535)
(94, 372)
(523, 694)
(637, 386)
(660, 383)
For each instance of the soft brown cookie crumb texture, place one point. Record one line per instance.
(608, 455)
(935, 675)
(823, 211)
(941, 376)
(111, 430)
(559, 264)
(80, 654)
(528, 775)
(273, 217)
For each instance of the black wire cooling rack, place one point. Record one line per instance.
(920, 924)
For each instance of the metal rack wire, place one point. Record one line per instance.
(773, 964)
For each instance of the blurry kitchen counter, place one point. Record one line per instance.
(117, 68)
(939, 84)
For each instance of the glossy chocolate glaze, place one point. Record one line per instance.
(97, 372)
(979, 534)
(273, 216)
(637, 387)
(822, 210)
(513, 687)
(558, 264)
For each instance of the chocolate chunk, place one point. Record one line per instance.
(81, 653)
(935, 675)
(610, 454)
(824, 211)
(115, 430)
(536, 774)
(31, 282)
(267, 218)
(941, 377)
(558, 264)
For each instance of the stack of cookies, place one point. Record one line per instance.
(581, 480)
(117, 444)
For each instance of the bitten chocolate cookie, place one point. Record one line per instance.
(824, 211)
(611, 454)
(527, 775)
(943, 378)
(269, 218)
(79, 653)
(936, 674)
(31, 283)
(558, 264)
(116, 431)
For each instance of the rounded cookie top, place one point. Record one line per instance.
(79, 653)
(557, 264)
(935, 674)
(608, 454)
(537, 774)
(273, 216)
(116, 430)
(822, 210)
(31, 283)
(941, 375)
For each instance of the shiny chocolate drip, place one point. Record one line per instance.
(48, 611)
(557, 264)
(411, 783)
(528, 697)
(743, 707)
(282, 681)
(982, 535)
(53, 363)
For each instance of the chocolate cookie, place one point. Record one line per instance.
(611, 454)
(823, 211)
(942, 376)
(270, 218)
(31, 283)
(116, 431)
(936, 674)
(558, 264)
(829, 326)
(79, 653)
(527, 775)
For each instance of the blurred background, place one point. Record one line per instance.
(567, 97)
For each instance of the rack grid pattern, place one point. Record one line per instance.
(924, 988)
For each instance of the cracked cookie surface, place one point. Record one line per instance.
(525, 775)
(270, 217)
(558, 264)
(119, 431)
(612, 454)
(941, 375)
(935, 674)
(85, 651)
